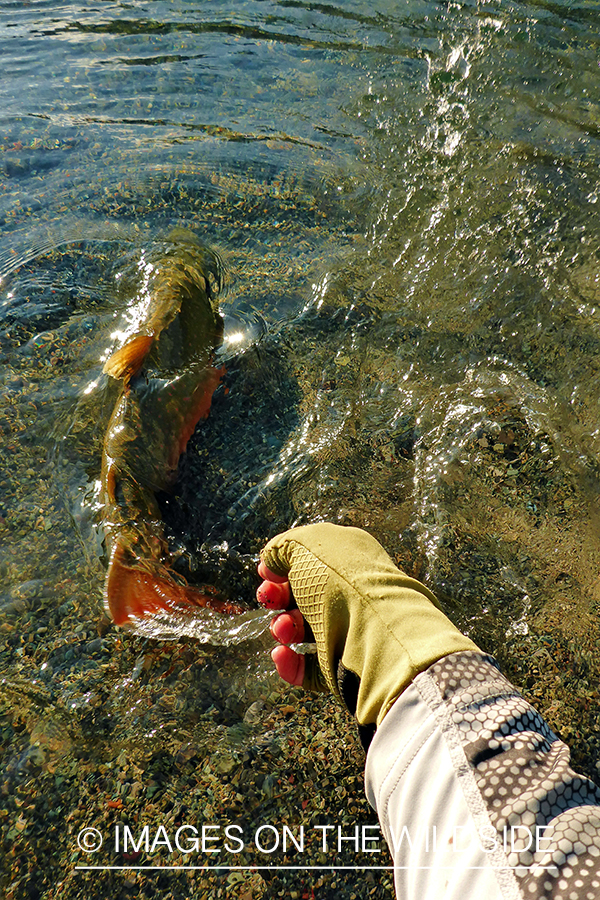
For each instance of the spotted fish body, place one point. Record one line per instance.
(166, 382)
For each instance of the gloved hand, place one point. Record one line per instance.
(375, 627)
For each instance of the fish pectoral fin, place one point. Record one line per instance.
(129, 359)
(145, 589)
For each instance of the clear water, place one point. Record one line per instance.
(406, 198)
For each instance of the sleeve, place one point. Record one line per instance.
(475, 794)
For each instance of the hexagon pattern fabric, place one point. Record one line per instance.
(523, 773)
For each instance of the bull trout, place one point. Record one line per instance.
(166, 382)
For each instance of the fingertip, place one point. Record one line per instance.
(274, 596)
(266, 574)
(288, 627)
(289, 664)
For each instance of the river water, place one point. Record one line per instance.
(406, 199)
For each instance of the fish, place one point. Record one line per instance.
(166, 379)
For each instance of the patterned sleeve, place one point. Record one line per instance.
(475, 793)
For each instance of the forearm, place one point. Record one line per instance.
(475, 794)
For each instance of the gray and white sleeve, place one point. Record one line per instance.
(475, 794)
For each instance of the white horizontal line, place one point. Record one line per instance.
(305, 868)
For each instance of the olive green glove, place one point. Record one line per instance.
(375, 627)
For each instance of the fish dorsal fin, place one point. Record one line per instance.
(128, 359)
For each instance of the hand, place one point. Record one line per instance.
(374, 627)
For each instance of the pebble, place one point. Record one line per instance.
(253, 714)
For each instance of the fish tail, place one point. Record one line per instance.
(134, 592)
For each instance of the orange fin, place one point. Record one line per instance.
(200, 405)
(128, 359)
(133, 592)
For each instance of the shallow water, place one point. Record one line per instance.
(406, 199)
